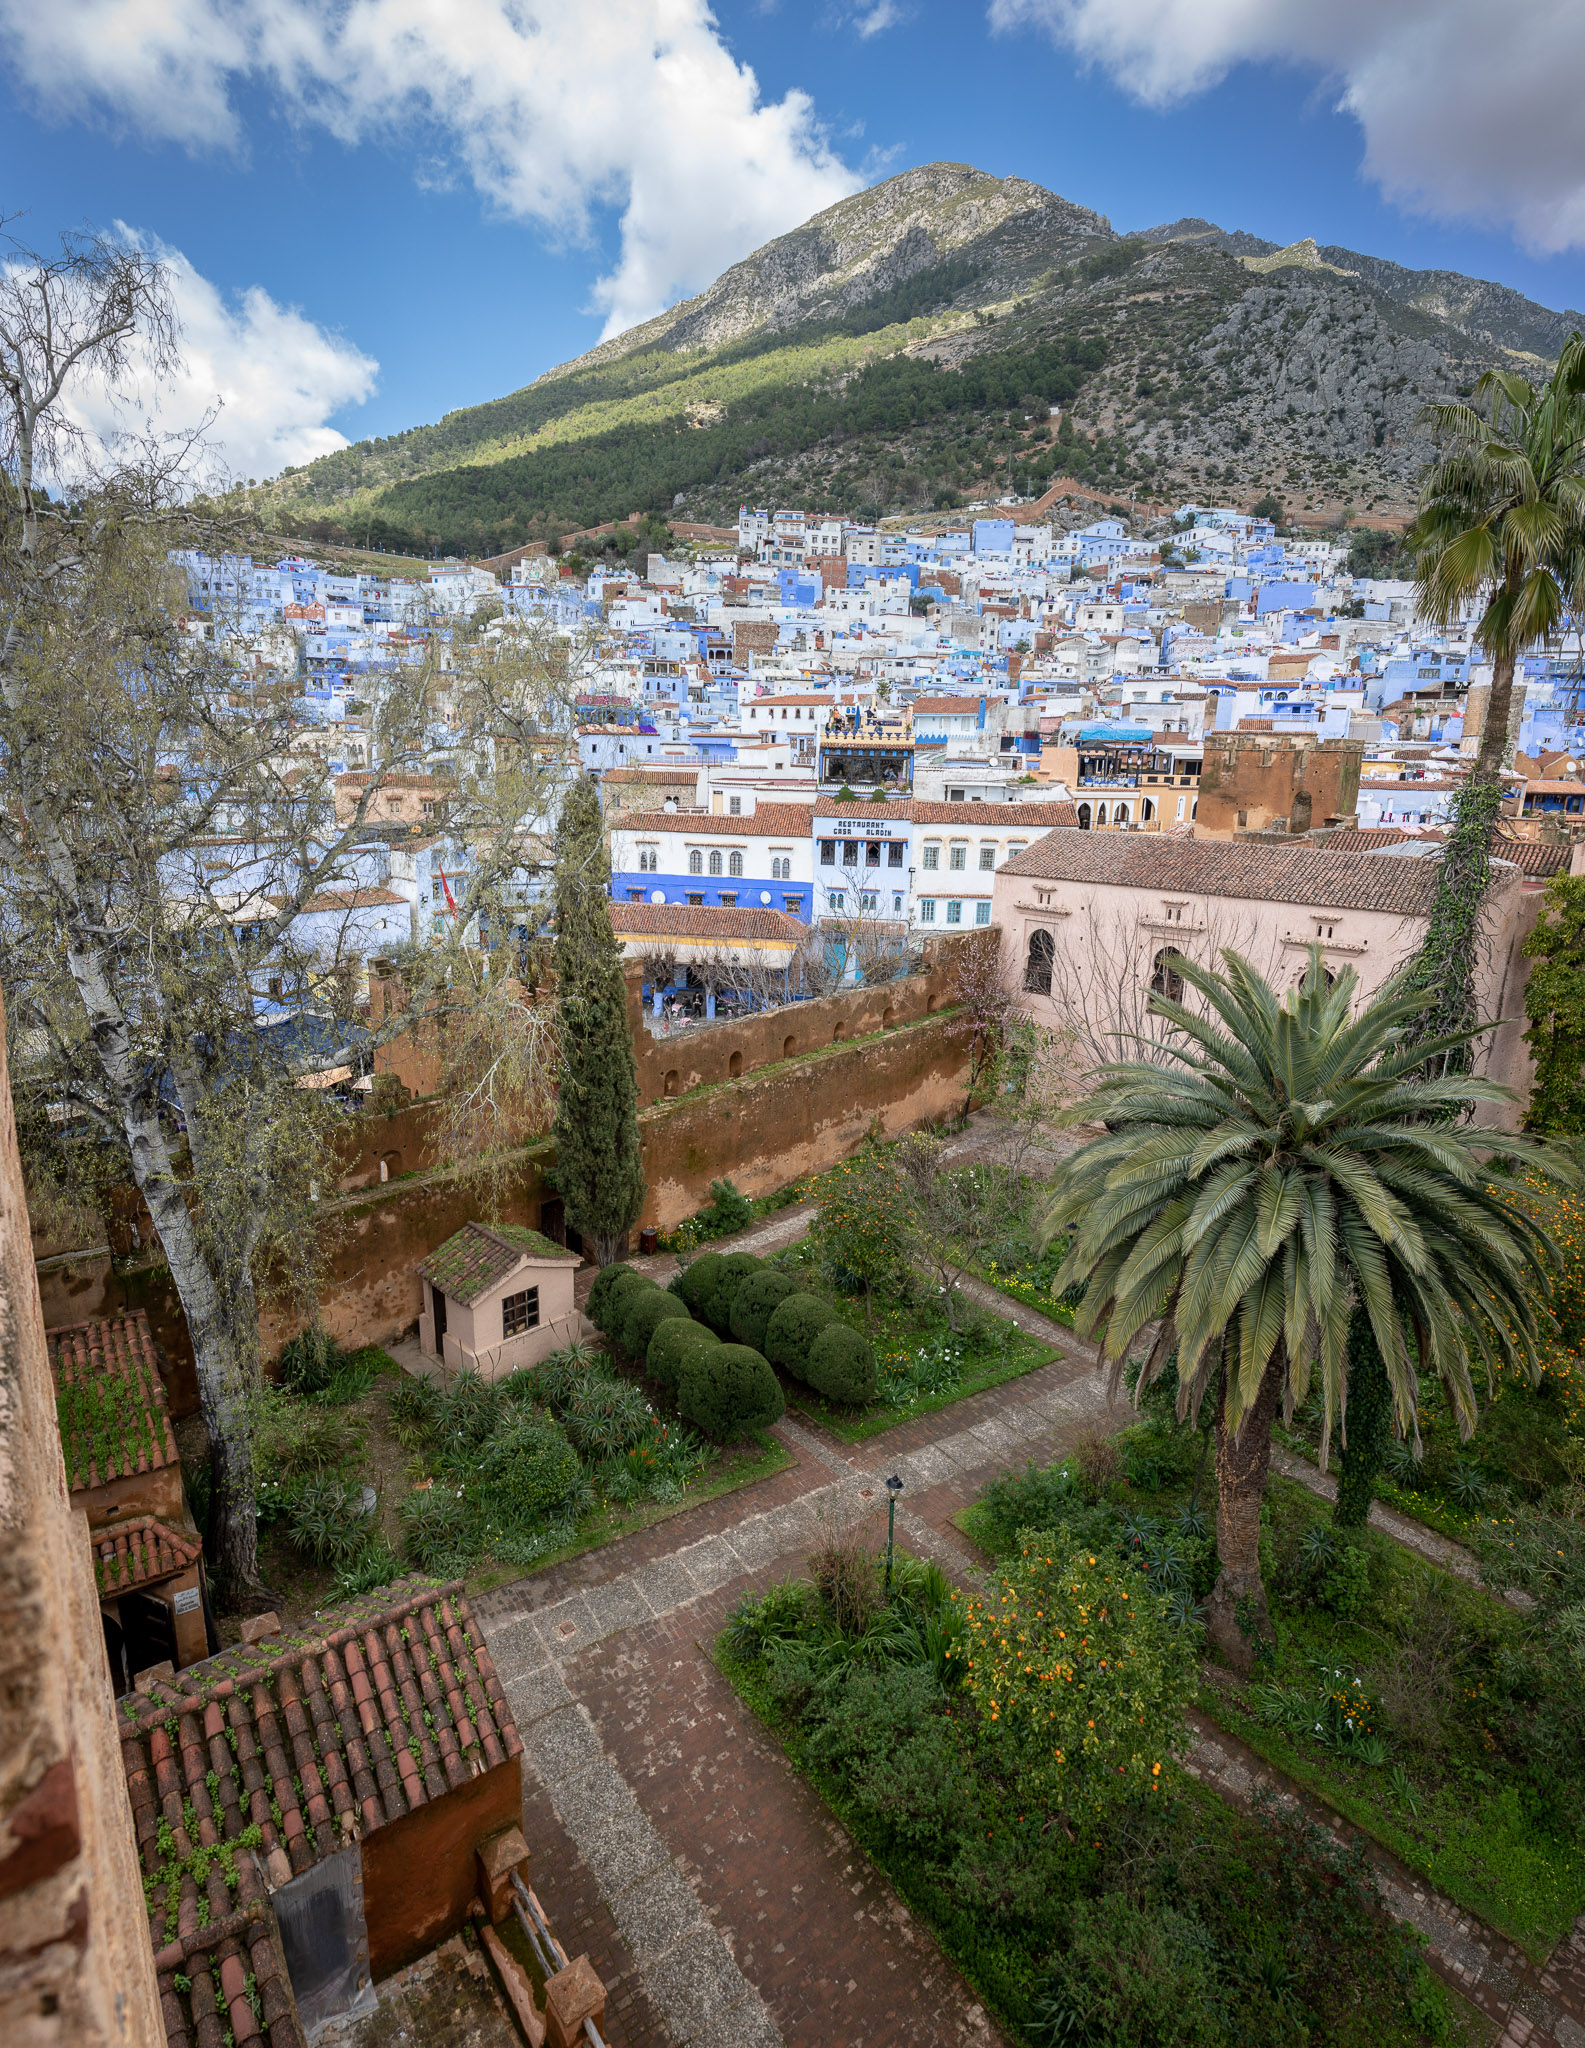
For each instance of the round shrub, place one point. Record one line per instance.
(730, 1275)
(674, 1342)
(793, 1327)
(642, 1316)
(694, 1282)
(754, 1302)
(728, 1391)
(606, 1313)
(620, 1304)
(604, 1282)
(842, 1366)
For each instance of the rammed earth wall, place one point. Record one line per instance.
(761, 1100)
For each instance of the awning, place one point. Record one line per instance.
(327, 1078)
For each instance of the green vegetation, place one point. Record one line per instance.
(1554, 1002)
(1416, 1705)
(599, 1161)
(636, 452)
(1292, 1162)
(1150, 1915)
(107, 1426)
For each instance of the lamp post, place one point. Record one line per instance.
(894, 1486)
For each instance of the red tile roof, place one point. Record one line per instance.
(345, 899)
(140, 1553)
(967, 707)
(113, 1416)
(1537, 858)
(770, 821)
(469, 1264)
(316, 1741)
(703, 921)
(1236, 868)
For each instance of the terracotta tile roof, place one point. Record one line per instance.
(967, 707)
(139, 1553)
(426, 785)
(113, 1416)
(345, 899)
(1238, 868)
(703, 921)
(469, 1265)
(1535, 857)
(661, 772)
(316, 1741)
(1375, 838)
(770, 821)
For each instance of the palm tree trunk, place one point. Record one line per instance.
(1499, 710)
(1236, 1614)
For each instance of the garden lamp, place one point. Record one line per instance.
(894, 1486)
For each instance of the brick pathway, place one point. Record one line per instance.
(727, 1895)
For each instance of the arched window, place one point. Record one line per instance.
(1166, 980)
(1100, 814)
(734, 864)
(1149, 811)
(1084, 817)
(715, 860)
(1120, 814)
(695, 861)
(1037, 966)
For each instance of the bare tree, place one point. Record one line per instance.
(956, 1212)
(982, 990)
(184, 927)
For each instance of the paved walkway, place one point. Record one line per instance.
(741, 1911)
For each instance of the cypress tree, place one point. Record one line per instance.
(599, 1164)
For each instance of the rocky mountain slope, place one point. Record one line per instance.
(911, 348)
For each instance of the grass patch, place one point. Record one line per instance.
(925, 1365)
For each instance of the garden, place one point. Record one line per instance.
(365, 1472)
(1426, 1711)
(1006, 1756)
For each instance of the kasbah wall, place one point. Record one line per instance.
(761, 1100)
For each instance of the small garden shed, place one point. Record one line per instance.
(497, 1297)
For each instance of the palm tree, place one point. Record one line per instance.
(1502, 520)
(1287, 1165)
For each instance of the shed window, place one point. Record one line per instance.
(520, 1312)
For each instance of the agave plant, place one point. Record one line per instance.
(1289, 1160)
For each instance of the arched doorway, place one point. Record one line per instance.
(1038, 963)
(1100, 814)
(1084, 817)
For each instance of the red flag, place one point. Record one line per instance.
(451, 901)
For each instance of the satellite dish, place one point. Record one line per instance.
(657, 895)
(764, 895)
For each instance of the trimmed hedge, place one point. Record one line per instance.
(614, 1305)
(842, 1366)
(643, 1314)
(695, 1280)
(792, 1329)
(728, 1391)
(730, 1275)
(599, 1294)
(674, 1342)
(752, 1306)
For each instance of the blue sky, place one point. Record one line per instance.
(466, 236)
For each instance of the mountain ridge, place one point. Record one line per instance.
(832, 363)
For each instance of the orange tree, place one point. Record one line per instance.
(1078, 1680)
(861, 1227)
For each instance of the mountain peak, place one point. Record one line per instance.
(862, 246)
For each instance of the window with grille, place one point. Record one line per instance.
(715, 861)
(987, 859)
(959, 857)
(954, 913)
(695, 861)
(734, 865)
(828, 853)
(894, 854)
(932, 857)
(520, 1312)
(927, 910)
(982, 913)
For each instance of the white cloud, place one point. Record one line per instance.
(874, 20)
(1465, 114)
(632, 103)
(266, 374)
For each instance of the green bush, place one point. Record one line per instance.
(326, 1521)
(730, 1211)
(642, 1315)
(527, 1468)
(792, 1329)
(752, 1305)
(673, 1344)
(609, 1319)
(599, 1294)
(728, 1391)
(842, 1366)
(694, 1282)
(308, 1363)
(730, 1275)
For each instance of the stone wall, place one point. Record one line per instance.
(1255, 782)
(76, 1968)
